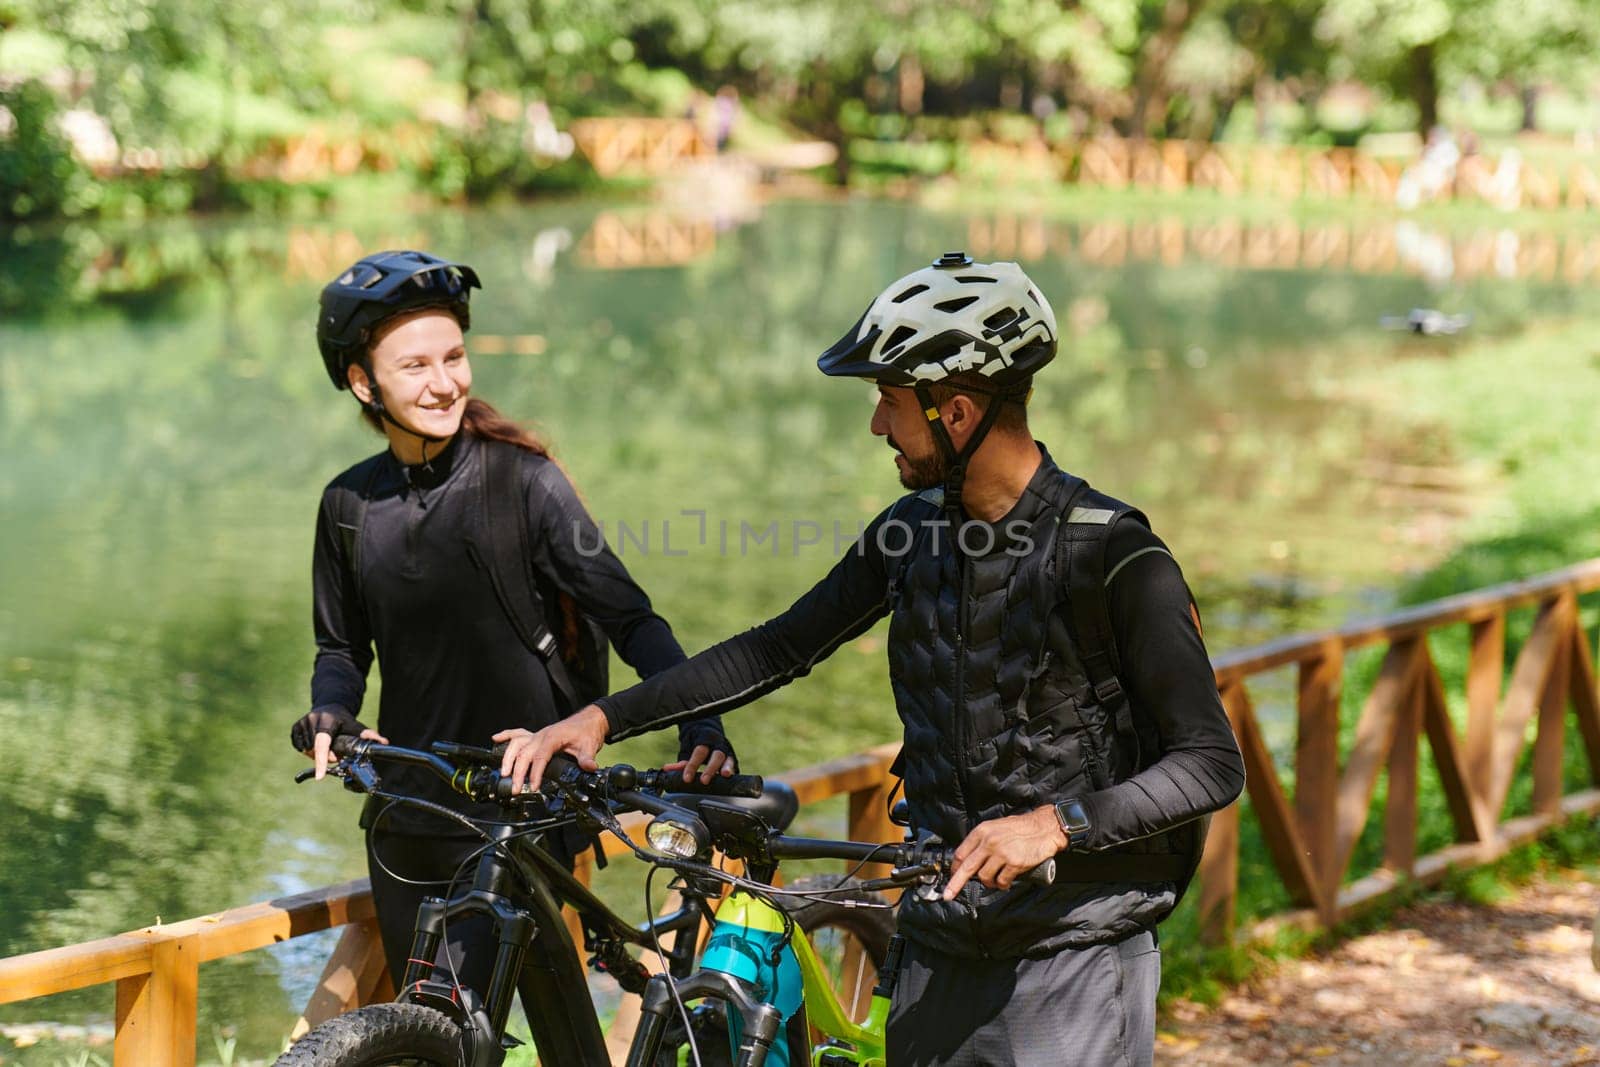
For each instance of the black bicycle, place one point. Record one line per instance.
(437, 1020)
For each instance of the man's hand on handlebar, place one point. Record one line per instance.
(313, 734)
(997, 851)
(580, 735)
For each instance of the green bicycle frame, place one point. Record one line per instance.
(747, 929)
(850, 1042)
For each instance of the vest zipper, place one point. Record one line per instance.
(963, 775)
(963, 778)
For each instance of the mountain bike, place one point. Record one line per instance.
(777, 998)
(437, 1020)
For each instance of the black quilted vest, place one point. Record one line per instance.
(1000, 718)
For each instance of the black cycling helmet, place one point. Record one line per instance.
(379, 287)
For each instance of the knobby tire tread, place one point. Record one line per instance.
(380, 1035)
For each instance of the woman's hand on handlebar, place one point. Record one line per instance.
(705, 762)
(997, 851)
(580, 735)
(313, 734)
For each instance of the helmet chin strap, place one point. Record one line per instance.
(376, 406)
(956, 460)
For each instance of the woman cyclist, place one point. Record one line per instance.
(405, 564)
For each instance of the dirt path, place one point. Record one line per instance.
(1443, 983)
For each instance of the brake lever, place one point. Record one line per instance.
(338, 769)
(360, 777)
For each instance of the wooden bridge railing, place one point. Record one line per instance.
(1286, 172)
(1311, 838)
(644, 146)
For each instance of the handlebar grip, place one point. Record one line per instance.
(1044, 874)
(749, 786)
(344, 745)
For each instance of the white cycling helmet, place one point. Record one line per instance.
(953, 317)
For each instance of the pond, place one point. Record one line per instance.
(170, 428)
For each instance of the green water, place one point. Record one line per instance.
(170, 427)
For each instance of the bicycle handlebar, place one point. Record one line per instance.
(912, 860)
(475, 773)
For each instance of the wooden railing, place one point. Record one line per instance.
(1284, 171)
(642, 146)
(1311, 838)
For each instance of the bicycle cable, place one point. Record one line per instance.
(666, 968)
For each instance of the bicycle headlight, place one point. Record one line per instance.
(670, 835)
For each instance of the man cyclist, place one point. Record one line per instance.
(1047, 664)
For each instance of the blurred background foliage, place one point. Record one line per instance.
(188, 103)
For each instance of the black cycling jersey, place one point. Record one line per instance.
(453, 668)
(1164, 667)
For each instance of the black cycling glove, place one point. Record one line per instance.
(332, 719)
(704, 732)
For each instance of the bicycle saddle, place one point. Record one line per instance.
(776, 806)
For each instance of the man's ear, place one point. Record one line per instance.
(961, 416)
(356, 375)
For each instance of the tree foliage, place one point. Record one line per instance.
(195, 79)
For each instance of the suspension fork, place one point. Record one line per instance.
(761, 1020)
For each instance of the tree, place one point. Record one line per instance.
(1416, 47)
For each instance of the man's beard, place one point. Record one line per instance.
(927, 472)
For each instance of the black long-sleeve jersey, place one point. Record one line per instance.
(452, 666)
(1164, 667)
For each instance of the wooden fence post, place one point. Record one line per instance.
(156, 1011)
(1316, 766)
(1219, 877)
(1400, 801)
(1485, 676)
(1550, 740)
(868, 818)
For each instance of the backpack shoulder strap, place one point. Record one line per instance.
(505, 529)
(352, 493)
(1081, 541)
(898, 513)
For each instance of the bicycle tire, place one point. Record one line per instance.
(380, 1035)
(854, 972)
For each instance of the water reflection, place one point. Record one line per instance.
(174, 426)
(1365, 247)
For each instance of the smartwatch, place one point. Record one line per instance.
(1074, 821)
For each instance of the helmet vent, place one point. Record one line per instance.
(968, 279)
(1000, 318)
(950, 307)
(1034, 297)
(901, 335)
(909, 293)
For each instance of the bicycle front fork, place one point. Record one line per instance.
(761, 1020)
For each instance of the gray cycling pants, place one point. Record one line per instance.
(1090, 1007)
